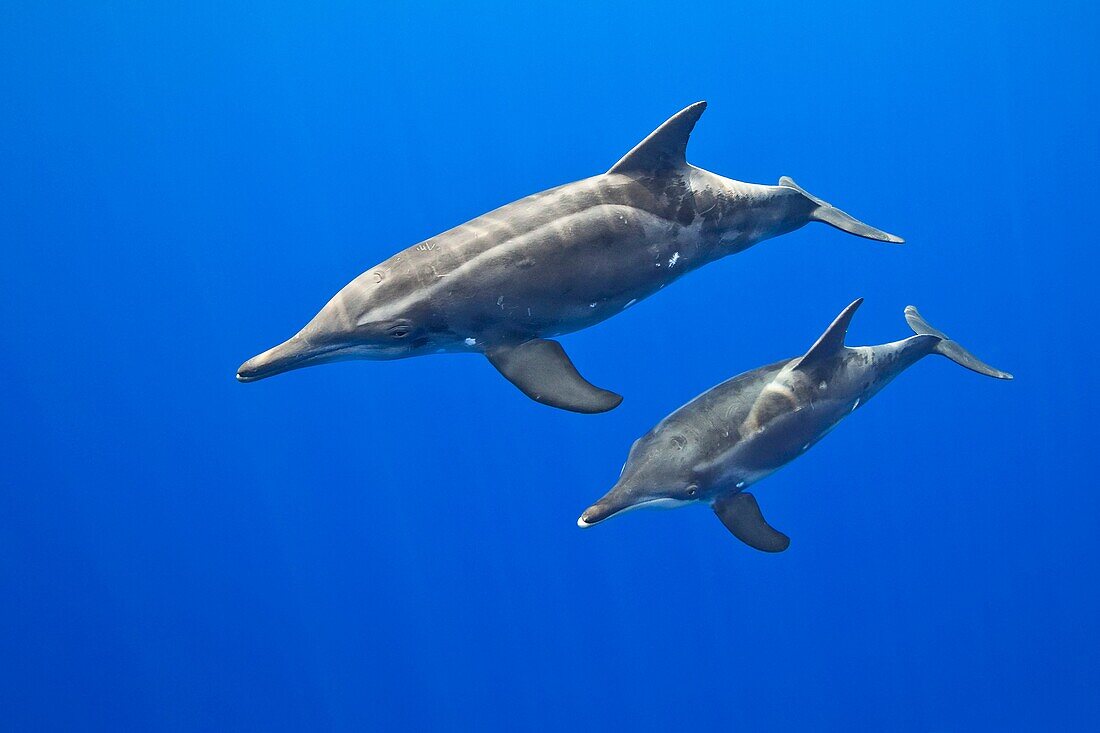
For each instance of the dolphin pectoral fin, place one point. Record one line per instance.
(741, 515)
(542, 371)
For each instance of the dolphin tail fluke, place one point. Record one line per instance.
(951, 349)
(826, 212)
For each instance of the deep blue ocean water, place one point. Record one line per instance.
(386, 546)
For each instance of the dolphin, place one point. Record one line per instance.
(715, 447)
(553, 263)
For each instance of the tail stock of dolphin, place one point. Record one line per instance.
(831, 215)
(951, 349)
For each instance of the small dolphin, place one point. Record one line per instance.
(728, 438)
(553, 263)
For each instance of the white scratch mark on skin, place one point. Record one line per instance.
(471, 341)
(806, 447)
(822, 386)
(673, 259)
(591, 305)
(855, 405)
(478, 232)
(632, 302)
(740, 484)
(500, 302)
(528, 312)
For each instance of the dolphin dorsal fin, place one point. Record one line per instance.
(665, 147)
(832, 341)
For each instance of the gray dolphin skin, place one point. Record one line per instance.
(553, 263)
(715, 447)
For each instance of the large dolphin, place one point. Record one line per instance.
(728, 438)
(553, 263)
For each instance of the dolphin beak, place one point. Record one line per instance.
(291, 354)
(622, 496)
(589, 518)
(598, 512)
(619, 501)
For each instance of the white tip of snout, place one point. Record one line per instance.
(582, 524)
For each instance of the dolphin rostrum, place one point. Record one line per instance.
(715, 447)
(553, 263)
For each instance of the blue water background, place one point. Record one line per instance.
(381, 546)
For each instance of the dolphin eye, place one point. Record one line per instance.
(399, 331)
(692, 490)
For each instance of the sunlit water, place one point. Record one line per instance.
(386, 546)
